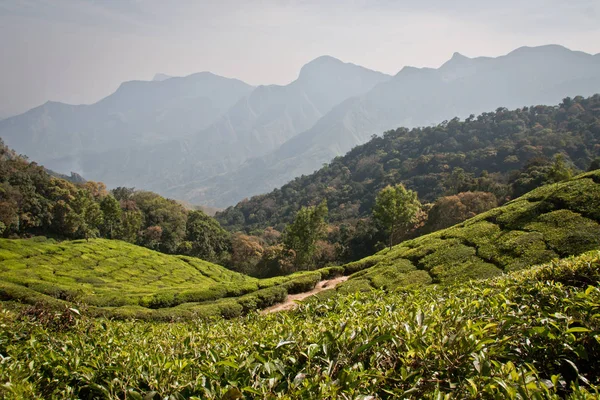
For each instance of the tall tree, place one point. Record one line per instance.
(88, 214)
(131, 223)
(111, 211)
(396, 209)
(302, 235)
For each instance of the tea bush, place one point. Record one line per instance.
(551, 222)
(531, 334)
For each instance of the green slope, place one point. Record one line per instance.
(530, 335)
(123, 280)
(120, 279)
(107, 272)
(553, 221)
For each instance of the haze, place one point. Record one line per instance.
(77, 51)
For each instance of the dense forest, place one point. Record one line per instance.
(34, 202)
(458, 169)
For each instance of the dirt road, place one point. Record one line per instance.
(290, 301)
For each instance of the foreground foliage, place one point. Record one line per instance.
(529, 335)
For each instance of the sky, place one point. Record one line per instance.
(78, 51)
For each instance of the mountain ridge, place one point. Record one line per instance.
(416, 97)
(329, 108)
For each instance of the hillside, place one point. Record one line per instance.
(118, 279)
(122, 280)
(414, 97)
(531, 334)
(506, 152)
(493, 326)
(551, 222)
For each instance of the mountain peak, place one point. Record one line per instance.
(545, 49)
(319, 65)
(457, 56)
(328, 67)
(324, 59)
(458, 60)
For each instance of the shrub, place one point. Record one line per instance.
(303, 283)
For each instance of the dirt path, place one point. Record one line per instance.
(290, 301)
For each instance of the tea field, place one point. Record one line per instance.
(118, 279)
(551, 222)
(532, 334)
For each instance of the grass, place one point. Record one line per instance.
(531, 334)
(551, 222)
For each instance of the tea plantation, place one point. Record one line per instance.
(551, 222)
(118, 279)
(532, 334)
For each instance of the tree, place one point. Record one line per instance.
(123, 193)
(111, 211)
(208, 240)
(89, 215)
(456, 181)
(560, 171)
(246, 253)
(451, 210)
(168, 214)
(594, 165)
(131, 223)
(396, 209)
(151, 237)
(302, 235)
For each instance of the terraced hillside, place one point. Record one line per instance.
(120, 279)
(553, 221)
(530, 335)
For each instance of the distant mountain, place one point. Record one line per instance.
(66, 137)
(271, 115)
(253, 126)
(213, 141)
(414, 97)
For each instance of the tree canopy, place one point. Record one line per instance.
(302, 235)
(396, 209)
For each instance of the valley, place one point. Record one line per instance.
(298, 226)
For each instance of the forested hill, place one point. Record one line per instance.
(505, 152)
(36, 201)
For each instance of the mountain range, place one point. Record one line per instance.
(211, 140)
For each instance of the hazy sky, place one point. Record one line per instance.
(78, 51)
